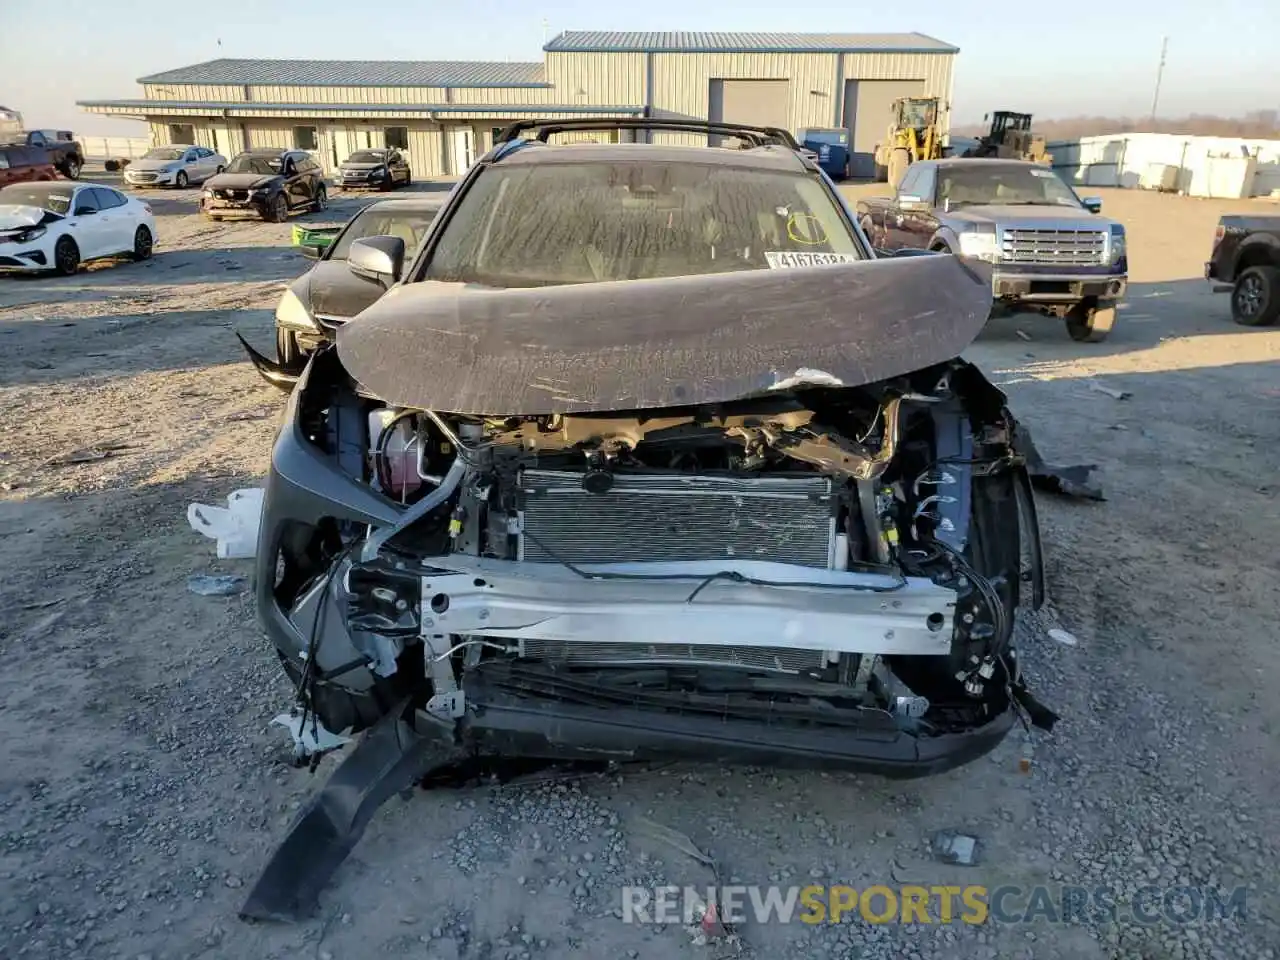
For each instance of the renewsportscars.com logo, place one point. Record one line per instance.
(933, 904)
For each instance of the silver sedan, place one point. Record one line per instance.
(174, 166)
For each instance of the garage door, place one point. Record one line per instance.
(868, 108)
(762, 103)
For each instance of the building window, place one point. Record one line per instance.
(305, 138)
(183, 133)
(396, 138)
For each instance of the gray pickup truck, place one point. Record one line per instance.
(1051, 252)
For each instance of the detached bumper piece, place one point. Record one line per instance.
(391, 757)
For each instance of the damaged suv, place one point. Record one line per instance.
(646, 455)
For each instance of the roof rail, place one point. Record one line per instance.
(755, 136)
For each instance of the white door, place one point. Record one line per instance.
(90, 230)
(464, 149)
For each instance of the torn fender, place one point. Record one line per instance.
(276, 374)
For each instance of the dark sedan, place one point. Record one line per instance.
(374, 170)
(329, 294)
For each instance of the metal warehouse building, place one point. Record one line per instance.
(446, 113)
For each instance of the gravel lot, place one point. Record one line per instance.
(141, 786)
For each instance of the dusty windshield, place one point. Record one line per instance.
(248, 163)
(55, 197)
(409, 225)
(163, 153)
(589, 222)
(996, 183)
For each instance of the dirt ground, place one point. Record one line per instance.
(142, 786)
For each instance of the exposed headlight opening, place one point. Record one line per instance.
(980, 246)
(292, 312)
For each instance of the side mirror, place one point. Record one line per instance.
(377, 258)
(312, 251)
(1092, 204)
(83, 211)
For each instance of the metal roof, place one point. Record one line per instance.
(611, 41)
(250, 108)
(358, 73)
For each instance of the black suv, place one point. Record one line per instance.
(266, 182)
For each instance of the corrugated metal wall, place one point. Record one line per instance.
(935, 69)
(614, 79)
(681, 85)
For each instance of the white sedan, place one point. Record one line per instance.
(57, 225)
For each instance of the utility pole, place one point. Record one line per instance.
(1155, 100)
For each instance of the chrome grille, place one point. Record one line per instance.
(231, 194)
(774, 659)
(143, 177)
(674, 516)
(1068, 247)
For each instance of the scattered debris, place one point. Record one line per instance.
(1064, 637)
(951, 846)
(99, 451)
(1111, 392)
(1023, 335)
(216, 585)
(44, 604)
(673, 838)
(235, 526)
(43, 625)
(250, 415)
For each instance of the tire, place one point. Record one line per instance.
(288, 352)
(321, 201)
(143, 244)
(1091, 324)
(66, 257)
(408, 178)
(181, 180)
(278, 211)
(1255, 299)
(72, 168)
(899, 160)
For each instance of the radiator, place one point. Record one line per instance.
(793, 660)
(677, 517)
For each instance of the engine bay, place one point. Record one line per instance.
(832, 555)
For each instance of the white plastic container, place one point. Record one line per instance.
(235, 526)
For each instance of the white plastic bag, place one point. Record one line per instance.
(235, 526)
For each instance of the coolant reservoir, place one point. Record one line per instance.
(396, 468)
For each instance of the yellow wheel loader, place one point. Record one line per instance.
(913, 135)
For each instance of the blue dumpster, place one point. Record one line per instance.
(832, 147)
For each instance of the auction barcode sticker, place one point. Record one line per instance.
(782, 259)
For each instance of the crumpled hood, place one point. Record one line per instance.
(240, 181)
(14, 216)
(639, 344)
(153, 166)
(1012, 213)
